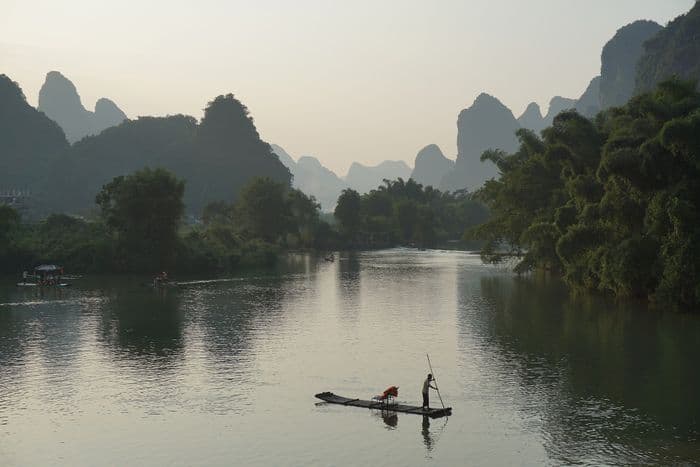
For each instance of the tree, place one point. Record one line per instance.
(303, 213)
(261, 209)
(143, 210)
(611, 203)
(347, 212)
(217, 212)
(9, 220)
(406, 216)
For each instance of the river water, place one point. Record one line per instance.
(224, 372)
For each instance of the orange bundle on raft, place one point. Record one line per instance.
(391, 391)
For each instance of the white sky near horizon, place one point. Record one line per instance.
(358, 81)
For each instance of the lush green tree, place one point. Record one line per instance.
(405, 212)
(407, 217)
(267, 216)
(347, 212)
(144, 210)
(261, 209)
(424, 226)
(611, 203)
(9, 221)
(16, 250)
(218, 212)
(303, 212)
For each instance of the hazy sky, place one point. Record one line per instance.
(343, 81)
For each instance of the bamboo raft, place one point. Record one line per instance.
(381, 405)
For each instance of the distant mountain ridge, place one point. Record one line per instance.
(283, 156)
(532, 118)
(618, 69)
(588, 104)
(486, 124)
(60, 101)
(639, 55)
(431, 166)
(216, 156)
(311, 177)
(364, 178)
(673, 51)
(29, 141)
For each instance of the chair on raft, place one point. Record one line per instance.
(388, 397)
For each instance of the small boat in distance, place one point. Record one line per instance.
(45, 275)
(161, 281)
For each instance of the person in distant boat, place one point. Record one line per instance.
(160, 279)
(426, 388)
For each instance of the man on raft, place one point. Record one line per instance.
(426, 387)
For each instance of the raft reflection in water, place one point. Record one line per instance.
(391, 420)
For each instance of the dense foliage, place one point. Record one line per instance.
(267, 217)
(399, 212)
(612, 204)
(140, 226)
(140, 230)
(143, 210)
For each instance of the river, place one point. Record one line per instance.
(224, 372)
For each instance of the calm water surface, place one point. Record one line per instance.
(223, 372)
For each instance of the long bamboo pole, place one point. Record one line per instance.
(435, 380)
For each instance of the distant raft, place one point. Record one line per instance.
(379, 405)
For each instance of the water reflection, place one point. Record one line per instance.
(226, 369)
(144, 323)
(390, 418)
(425, 432)
(41, 339)
(348, 283)
(230, 318)
(603, 384)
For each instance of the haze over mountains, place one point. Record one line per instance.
(311, 177)
(223, 150)
(364, 178)
(60, 101)
(215, 156)
(488, 124)
(431, 166)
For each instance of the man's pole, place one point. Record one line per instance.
(435, 379)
